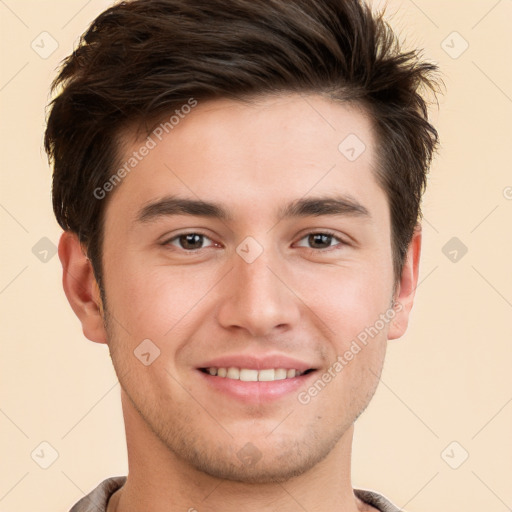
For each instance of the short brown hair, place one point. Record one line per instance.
(141, 59)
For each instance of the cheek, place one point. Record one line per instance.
(347, 300)
(153, 302)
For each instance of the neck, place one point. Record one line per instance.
(159, 480)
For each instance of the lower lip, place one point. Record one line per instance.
(256, 392)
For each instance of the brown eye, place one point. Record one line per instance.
(190, 241)
(320, 240)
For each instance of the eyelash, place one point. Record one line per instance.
(327, 232)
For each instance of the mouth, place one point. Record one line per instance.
(253, 375)
(255, 386)
(256, 378)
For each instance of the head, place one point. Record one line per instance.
(246, 109)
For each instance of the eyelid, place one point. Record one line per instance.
(322, 232)
(166, 240)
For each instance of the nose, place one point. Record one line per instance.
(257, 298)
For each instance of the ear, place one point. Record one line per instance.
(404, 296)
(81, 287)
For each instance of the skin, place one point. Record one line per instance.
(304, 300)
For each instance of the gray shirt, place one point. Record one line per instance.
(96, 500)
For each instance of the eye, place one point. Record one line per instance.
(190, 241)
(319, 241)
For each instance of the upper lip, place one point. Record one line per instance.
(257, 362)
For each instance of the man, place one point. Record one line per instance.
(239, 184)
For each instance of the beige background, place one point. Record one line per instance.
(447, 380)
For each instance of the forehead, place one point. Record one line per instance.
(252, 154)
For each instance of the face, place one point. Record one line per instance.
(248, 239)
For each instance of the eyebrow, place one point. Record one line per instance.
(180, 206)
(316, 206)
(313, 206)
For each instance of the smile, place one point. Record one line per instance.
(253, 375)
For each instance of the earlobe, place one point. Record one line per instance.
(406, 289)
(81, 287)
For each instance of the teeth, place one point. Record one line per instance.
(248, 375)
(251, 375)
(280, 374)
(290, 374)
(233, 373)
(266, 375)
